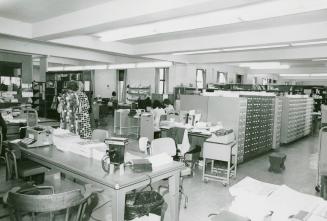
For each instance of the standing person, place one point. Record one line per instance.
(84, 124)
(68, 108)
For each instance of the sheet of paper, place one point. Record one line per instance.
(286, 202)
(252, 186)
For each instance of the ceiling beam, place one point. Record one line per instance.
(92, 42)
(15, 28)
(28, 46)
(292, 53)
(124, 13)
(265, 36)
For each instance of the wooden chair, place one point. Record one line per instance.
(75, 205)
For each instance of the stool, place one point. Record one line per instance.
(277, 162)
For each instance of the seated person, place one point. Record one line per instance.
(169, 108)
(157, 112)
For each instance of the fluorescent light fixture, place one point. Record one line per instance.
(122, 66)
(320, 59)
(252, 12)
(264, 65)
(319, 75)
(158, 64)
(304, 75)
(284, 66)
(60, 68)
(96, 67)
(198, 52)
(308, 43)
(255, 47)
(74, 68)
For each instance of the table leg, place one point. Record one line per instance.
(118, 205)
(174, 196)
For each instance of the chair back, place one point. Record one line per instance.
(143, 144)
(163, 145)
(100, 135)
(69, 205)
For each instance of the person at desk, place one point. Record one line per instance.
(157, 112)
(169, 108)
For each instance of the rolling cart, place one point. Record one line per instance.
(219, 153)
(322, 163)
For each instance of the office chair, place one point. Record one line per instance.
(75, 205)
(144, 145)
(100, 135)
(167, 145)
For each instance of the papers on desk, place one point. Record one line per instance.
(160, 160)
(252, 186)
(255, 199)
(73, 143)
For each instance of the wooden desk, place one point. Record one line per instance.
(90, 171)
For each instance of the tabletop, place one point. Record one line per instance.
(92, 169)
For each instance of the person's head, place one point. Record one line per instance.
(156, 104)
(80, 86)
(166, 102)
(113, 94)
(72, 85)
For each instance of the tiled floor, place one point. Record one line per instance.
(206, 198)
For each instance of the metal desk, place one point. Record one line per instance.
(90, 171)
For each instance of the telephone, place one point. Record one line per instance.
(27, 141)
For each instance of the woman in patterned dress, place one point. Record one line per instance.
(69, 107)
(84, 125)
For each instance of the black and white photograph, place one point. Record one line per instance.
(163, 110)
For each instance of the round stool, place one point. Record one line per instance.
(277, 162)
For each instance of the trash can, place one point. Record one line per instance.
(138, 204)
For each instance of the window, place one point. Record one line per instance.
(200, 78)
(163, 75)
(239, 79)
(121, 85)
(221, 77)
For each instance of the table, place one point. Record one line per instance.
(14, 126)
(90, 171)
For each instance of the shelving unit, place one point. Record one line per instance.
(136, 93)
(296, 117)
(39, 98)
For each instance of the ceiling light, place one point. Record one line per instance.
(61, 68)
(304, 75)
(198, 52)
(158, 64)
(251, 64)
(294, 75)
(255, 47)
(96, 67)
(308, 43)
(320, 59)
(122, 66)
(264, 65)
(319, 75)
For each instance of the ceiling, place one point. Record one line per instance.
(37, 10)
(121, 31)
